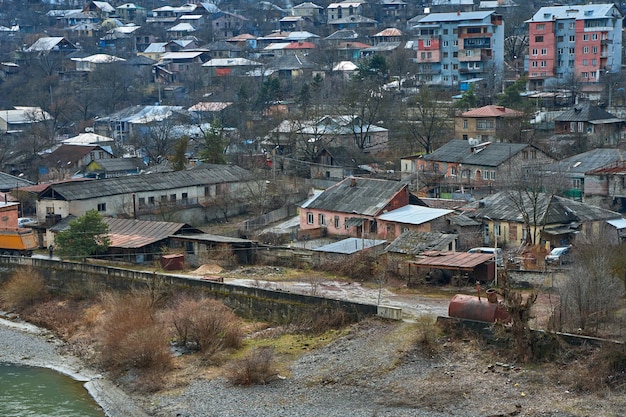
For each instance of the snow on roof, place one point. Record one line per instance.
(411, 214)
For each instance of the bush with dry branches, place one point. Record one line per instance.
(24, 288)
(258, 367)
(129, 336)
(204, 324)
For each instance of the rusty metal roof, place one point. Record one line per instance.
(132, 234)
(454, 260)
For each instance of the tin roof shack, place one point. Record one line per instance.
(440, 267)
(606, 186)
(410, 244)
(347, 250)
(136, 241)
(222, 250)
(414, 218)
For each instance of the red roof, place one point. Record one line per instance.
(353, 45)
(389, 32)
(492, 111)
(300, 45)
(455, 260)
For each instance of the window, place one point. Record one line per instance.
(455, 66)
(163, 199)
(102, 207)
(585, 62)
(524, 154)
(533, 153)
(594, 50)
(484, 124)
(455, 43)
(151, 201)
(49, 210)
(538, 38)
(493, 175)
(543, 63)
(534, 64)
(100, 155)
(535, 51)
(468, 52)
(581, 126)
(445, 31)
(427, 42)
(594, 62)
(560, 51)
(309, 218)
(577, 183)
(572, 38)
(560, 25)
(445, 66)
(544, 51)
(455, 54)
(142, 201)
(321, 219)
(594, 37)
(453, 171)
(585, 75)
(585, 37)
(464, 123)
(185, 197)
(541, 27)
(445, 54)
(444, 44)
(559, 38)
(172, 197)
(485, 175)
(337, 222)
(572, 50)
(585, 49)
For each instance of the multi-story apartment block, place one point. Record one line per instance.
(582, 42)
(456, 47)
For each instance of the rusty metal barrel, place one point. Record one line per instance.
(471, 307)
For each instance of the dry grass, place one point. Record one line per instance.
(25, 288)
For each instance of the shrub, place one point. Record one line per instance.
(322, 319)
(129, 336)
(258, 367)
(428, 333)
(25, 288)
(205, 325)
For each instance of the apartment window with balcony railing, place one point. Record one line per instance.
(483, 124)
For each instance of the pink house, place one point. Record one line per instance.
(351, 208)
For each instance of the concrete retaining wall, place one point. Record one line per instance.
(250, 302)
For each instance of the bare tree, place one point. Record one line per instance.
(157, 137)
(427, 123)
(592, 290)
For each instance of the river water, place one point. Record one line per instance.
(29, 391)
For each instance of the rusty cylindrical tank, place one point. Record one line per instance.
(471, 307)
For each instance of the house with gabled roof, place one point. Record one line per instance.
(487, 123)
(114, 167)
(52, 44)
(474, 166)
(508, 219)
(582, 173)
(589, 120)
(351, 207)
(66, 160)
(189, 194)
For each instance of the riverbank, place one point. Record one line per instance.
(25, 344)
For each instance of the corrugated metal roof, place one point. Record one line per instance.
(388, 32)
(585, 112)
(213, 174)
(586, 161)
(414, 214)
(460, 151)
(549, 209)
(213, 238)
(413, 243)
(367, 197)
(133, 234)
(455, 260)
(350, 245)
(578, 12)
(8, 182)
(618, 223)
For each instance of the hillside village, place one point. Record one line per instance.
(408, 127)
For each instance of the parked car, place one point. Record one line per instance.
(499, 259)
(26, 221)
(559, 256)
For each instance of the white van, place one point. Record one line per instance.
(486, 249)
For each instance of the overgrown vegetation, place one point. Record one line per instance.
(23, 289)
(86, 235)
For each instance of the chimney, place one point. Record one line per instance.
(352, 182)
(458, 13)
